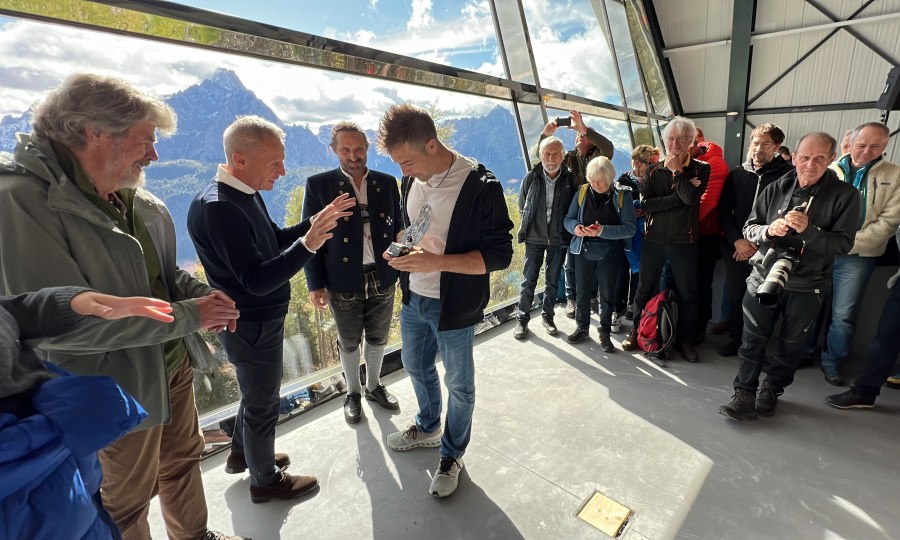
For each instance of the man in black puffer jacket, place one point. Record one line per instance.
(808, 217)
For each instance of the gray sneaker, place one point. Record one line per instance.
(413, 438)
(446, 478)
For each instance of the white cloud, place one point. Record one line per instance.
(53, 53)
(420, 17)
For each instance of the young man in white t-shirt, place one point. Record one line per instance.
(445, 279)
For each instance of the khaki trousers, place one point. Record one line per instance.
(164, 461)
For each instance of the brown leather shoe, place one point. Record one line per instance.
(286, 487)
(630, 343)
(237, 463)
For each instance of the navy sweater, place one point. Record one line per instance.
(243, 252)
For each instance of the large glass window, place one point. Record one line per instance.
(649, 63)
(211, 75)
(456, 33)
(208, 90)
(570, 50)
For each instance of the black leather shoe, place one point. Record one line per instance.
(352, 408)
(729, 349)
(384, 398)
(237, 463)
(688, 352)
(580, 334)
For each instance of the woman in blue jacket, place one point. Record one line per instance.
(52, 424)
(602, 219)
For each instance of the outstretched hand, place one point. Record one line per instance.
(111, 307)
(326, 220)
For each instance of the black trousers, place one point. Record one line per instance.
(596, 278)
(708, 252)
(798, 313)
(626, 287)
(882, 352)
(683, 261)
(736, 274)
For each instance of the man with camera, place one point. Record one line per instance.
(800, 223)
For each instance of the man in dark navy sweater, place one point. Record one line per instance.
(245, 254)
(348, 274)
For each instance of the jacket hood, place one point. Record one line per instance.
(777, 162)
(712, 150)
(87, 413)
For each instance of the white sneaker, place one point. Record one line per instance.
(446, 478)
(615, 325)
(413, 438)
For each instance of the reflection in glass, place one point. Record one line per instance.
(628, 67)
(514, 43)
(456, 33)
(649, 63)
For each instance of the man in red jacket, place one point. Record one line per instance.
(708, 249)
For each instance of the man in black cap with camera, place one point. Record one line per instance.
(800, 223)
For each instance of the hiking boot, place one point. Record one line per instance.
(286, 487)
(629, 312)
(215, 535)
(595, 306)
(446, 478)
(413, 438)
(615, 326)
(688, 352)
(742, 406)
(832, 375)
(606, 344)
(580, 334)
(851, 399)
(353, 408)
(630, 343)
(521, 330)
(767, 399)
(549, 326)
(237, 463)
(729, 349)
(570, 308)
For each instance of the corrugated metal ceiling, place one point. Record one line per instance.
(842, 70)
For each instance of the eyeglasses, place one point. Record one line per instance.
(681, 139)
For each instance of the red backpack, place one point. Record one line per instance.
(656, 332)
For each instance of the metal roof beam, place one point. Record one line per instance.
(738, 79)
(875, 48)
(755, 38)
(809, 53)
(829, 107)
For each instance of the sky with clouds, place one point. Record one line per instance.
(569, 48)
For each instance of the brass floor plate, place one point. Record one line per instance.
(605, 514)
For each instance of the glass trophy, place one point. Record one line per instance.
(413, 235)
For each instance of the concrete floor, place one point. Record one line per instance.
(555, 422)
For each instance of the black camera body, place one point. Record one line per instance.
(563, 122)
(779, 262)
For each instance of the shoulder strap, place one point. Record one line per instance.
(582, 193)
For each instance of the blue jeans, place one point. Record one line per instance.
(851, 276)
(421, 341)
(534, 259)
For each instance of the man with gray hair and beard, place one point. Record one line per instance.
(544, 198)
(74, 214)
